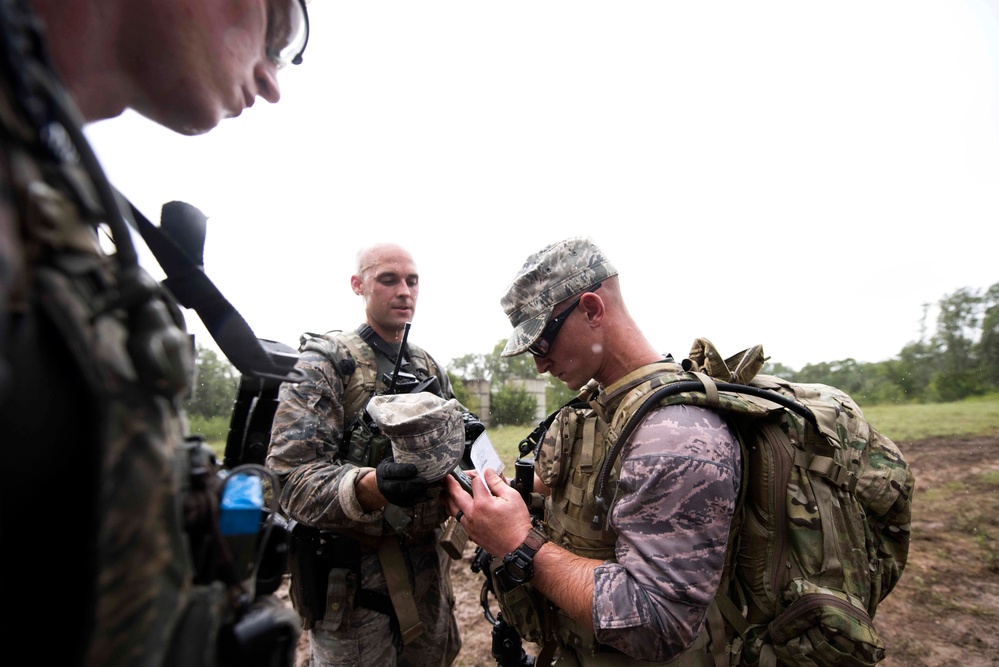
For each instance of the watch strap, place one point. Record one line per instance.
(521, 558)
(533, 542)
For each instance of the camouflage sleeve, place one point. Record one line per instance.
(680, 477)
(317, 486)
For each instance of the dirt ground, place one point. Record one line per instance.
(945, 609)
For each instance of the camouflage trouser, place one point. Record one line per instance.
(367, 639)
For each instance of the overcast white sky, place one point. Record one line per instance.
(801, 175)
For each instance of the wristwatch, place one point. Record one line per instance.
(518, 565)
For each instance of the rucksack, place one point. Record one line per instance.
(821, 530)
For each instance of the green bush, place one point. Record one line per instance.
(509, 405)
(947, 386)
(463, 395)
(214, 429)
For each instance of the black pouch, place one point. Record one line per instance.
(313, 556)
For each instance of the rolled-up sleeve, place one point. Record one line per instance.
(679, 483)
(318, 486)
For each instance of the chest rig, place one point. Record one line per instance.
(572, 454)
(329, 569)
(569, 460)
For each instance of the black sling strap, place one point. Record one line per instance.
(178, 245)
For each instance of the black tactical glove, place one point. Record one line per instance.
(401, 483)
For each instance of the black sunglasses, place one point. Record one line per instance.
(543, 344)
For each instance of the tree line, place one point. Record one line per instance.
(959, 359)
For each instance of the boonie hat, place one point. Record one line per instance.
(424, 429)
(550, 276)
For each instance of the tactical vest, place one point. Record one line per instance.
(356, 363)
(568, 460)
(362, 447)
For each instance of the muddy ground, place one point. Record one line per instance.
(944, 611)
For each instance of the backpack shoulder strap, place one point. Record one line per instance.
(422, 360)
(353, 360)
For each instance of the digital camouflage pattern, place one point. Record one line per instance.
(665, 542)
(317, 481)
(424, 429)
(366, 637)
(96, 455)
(318, 490)
(672, 516)
(548, 277)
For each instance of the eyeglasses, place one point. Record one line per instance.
(543, 344)
(287, 31)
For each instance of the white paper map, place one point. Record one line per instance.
(484, 456)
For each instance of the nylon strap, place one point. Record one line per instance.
(768, 657)
(397, 579)
(546, 654)
(732, 614)
(365, 358)
(710, 388)
(716, 631)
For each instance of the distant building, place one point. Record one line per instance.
(535, 387)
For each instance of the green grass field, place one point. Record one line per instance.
(901, 423)
(970, 417)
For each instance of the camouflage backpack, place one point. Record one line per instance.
(821, 531)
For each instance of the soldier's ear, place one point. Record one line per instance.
(355, 284)
(593, 307)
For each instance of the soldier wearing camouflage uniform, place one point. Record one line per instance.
(94, 357)
(635, 589)
(385, 588)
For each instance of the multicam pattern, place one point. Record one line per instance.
(548, 277)
(318, 490)
(832, 526)
(824, 626)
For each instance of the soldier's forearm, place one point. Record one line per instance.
(566, 580)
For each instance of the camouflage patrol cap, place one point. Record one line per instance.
(424, 430)
(548, 277)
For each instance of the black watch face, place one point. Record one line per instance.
(518, 569)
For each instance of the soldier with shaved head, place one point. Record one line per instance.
(370, 577)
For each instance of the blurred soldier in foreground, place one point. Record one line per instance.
(94, 358)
